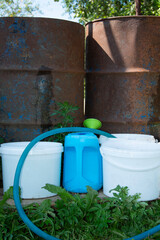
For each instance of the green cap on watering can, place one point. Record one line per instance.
(92, 123)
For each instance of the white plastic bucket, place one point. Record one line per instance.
(42, 165)
(133, 164)
(129, 136)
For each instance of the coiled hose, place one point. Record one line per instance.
(20, 210)
(18, 205)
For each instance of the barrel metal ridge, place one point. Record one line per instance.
(45, 70)
(126, 70)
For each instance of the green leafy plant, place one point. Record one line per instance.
(7, 195)
(119, 217)
(88, 10)
(82, 217)
(11, 8)
(12, 226)
(65, 113)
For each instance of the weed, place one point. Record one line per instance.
(119, 217)
(85, 217)
(66, 113)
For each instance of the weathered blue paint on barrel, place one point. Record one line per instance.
(123, 74)
(41, 63)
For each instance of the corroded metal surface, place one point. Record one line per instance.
(123, 74)
(41, 63)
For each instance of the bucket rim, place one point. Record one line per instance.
(129, 154)
(128, 136)
(131, 148)
(43, 147)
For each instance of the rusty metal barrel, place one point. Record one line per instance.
(41, 63)
(123, 74)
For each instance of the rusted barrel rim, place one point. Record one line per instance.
(120, 17)
(42, 18)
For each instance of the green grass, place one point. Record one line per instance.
(74, 217)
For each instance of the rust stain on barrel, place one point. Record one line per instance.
(41, 63)
(123, 74)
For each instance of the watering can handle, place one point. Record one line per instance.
(79, 160)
